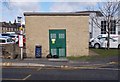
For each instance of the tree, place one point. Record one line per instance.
(110, 11)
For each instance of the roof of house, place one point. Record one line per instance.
(5, 24)
(55, 14)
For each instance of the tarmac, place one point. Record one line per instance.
(59, 63)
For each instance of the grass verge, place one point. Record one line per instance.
(107, 53)
(103, 53)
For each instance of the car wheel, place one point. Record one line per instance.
(97, 46)
(119, 46)
(17, 42)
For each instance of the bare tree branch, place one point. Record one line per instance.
(101, 10)
(98, 25)
(115, 8)
(109, 10)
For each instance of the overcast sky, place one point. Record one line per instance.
(12, 8)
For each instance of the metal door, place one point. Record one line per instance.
(57, 42)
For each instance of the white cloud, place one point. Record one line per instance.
(71, 6)
(61, 0)
(25, 6)
(60, 7)
(0, 11)
(14, 8)
(22, 0)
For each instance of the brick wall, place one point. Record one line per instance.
(77, 33)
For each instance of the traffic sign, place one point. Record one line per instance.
(21, 28)
(20, 40)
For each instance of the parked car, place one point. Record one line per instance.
(14, 37)
(11, 33)
(4, 34)
(101, 42)
(6, 40)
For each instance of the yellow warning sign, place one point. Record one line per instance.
(21, 28)
(53, 41)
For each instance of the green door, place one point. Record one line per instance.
(57, 42)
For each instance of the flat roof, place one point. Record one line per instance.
(98, 13)
(54, 14)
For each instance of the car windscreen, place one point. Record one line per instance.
(12, 36)
(9, 40)
(5, 34)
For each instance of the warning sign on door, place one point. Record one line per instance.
(53, 41)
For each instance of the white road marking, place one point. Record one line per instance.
(26, 77)
(114, 69)
(39, 69)
(97, 68)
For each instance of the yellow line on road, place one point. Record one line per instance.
(10, 79)
(112, 62)
(7, 64)
(18, 67)
(26, 77)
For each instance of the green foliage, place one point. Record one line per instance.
(106, 53)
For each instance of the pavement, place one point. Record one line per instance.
(59, 63)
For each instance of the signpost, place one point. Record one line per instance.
(21, 37)
(21, 43)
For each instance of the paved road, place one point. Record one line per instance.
(40, 73)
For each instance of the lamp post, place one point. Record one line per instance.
(20, 36)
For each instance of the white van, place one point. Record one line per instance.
(10, 33)
(4, 34)
(6, 40)
(101, 41)
(14, 37)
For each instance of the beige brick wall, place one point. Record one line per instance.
(37, 32)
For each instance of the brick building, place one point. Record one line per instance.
(62, 34)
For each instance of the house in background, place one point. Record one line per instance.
(9, 27)
(62, 34)
(94, 30)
